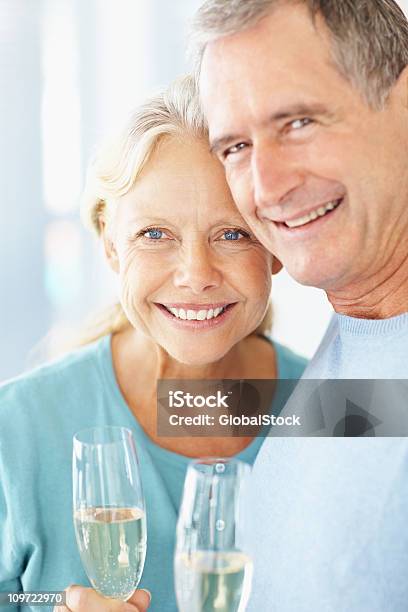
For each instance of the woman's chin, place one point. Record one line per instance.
(195, 357)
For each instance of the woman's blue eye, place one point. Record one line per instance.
(232, 235)
(154, 234)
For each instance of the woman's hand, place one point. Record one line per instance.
(81, 599)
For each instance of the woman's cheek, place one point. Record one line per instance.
(129, 300)
(259, 275)
(257, 268)
(136, 265)
(131, 286)
(142, 275)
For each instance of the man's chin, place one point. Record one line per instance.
(321, 277)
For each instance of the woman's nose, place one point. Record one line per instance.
(197, 270)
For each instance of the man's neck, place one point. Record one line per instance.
(381, 296)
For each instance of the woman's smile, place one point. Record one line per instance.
(187, 260)
(197, 316)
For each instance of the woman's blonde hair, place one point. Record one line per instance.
(116, 167)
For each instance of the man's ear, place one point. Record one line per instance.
(276, 265)
(110, 251)
(405, 74)
(401, 87)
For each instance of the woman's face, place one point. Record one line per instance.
(192, 276)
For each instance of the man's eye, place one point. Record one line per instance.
(297, 124)
(234, 235)
(234, 149)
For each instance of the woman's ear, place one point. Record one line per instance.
(110, 250)
(276, 265)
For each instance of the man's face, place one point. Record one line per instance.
(321, 178)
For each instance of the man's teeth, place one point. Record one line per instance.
(196, 315)
(319, 212)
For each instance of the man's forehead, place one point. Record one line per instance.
(287, 75)
(285, 39)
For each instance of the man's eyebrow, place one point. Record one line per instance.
(313, 108)
(219, 143)
(288, 112)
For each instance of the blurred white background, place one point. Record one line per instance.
(70, 71)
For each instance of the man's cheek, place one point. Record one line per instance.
(242, 194)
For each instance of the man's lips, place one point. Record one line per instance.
(316, 210)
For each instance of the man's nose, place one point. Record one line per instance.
(197, 269)
(275, 174)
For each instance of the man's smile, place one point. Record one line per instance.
(321, 211)
(302, 223)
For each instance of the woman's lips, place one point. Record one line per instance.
(196, 323)
(195, 306)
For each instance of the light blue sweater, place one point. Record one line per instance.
(39, 414)
(328, 522)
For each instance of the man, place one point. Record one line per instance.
(307, 105)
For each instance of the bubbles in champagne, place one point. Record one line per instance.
(112, 544)
(209, 581)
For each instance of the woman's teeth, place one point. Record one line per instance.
(319, 212)
(196, 315)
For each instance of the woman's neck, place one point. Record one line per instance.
(139, 357)
(139, 364)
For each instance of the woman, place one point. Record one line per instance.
(194, 303)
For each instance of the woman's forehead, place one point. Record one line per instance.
(181, 183)
(180, 215)
(179, 163)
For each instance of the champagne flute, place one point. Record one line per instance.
(212, 571)
(109, 509)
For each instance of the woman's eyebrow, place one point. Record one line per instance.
(230, 221)
(147, 220)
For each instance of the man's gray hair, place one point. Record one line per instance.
(369, 37)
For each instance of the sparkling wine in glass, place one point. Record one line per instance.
(109, 509)
(212, 571)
